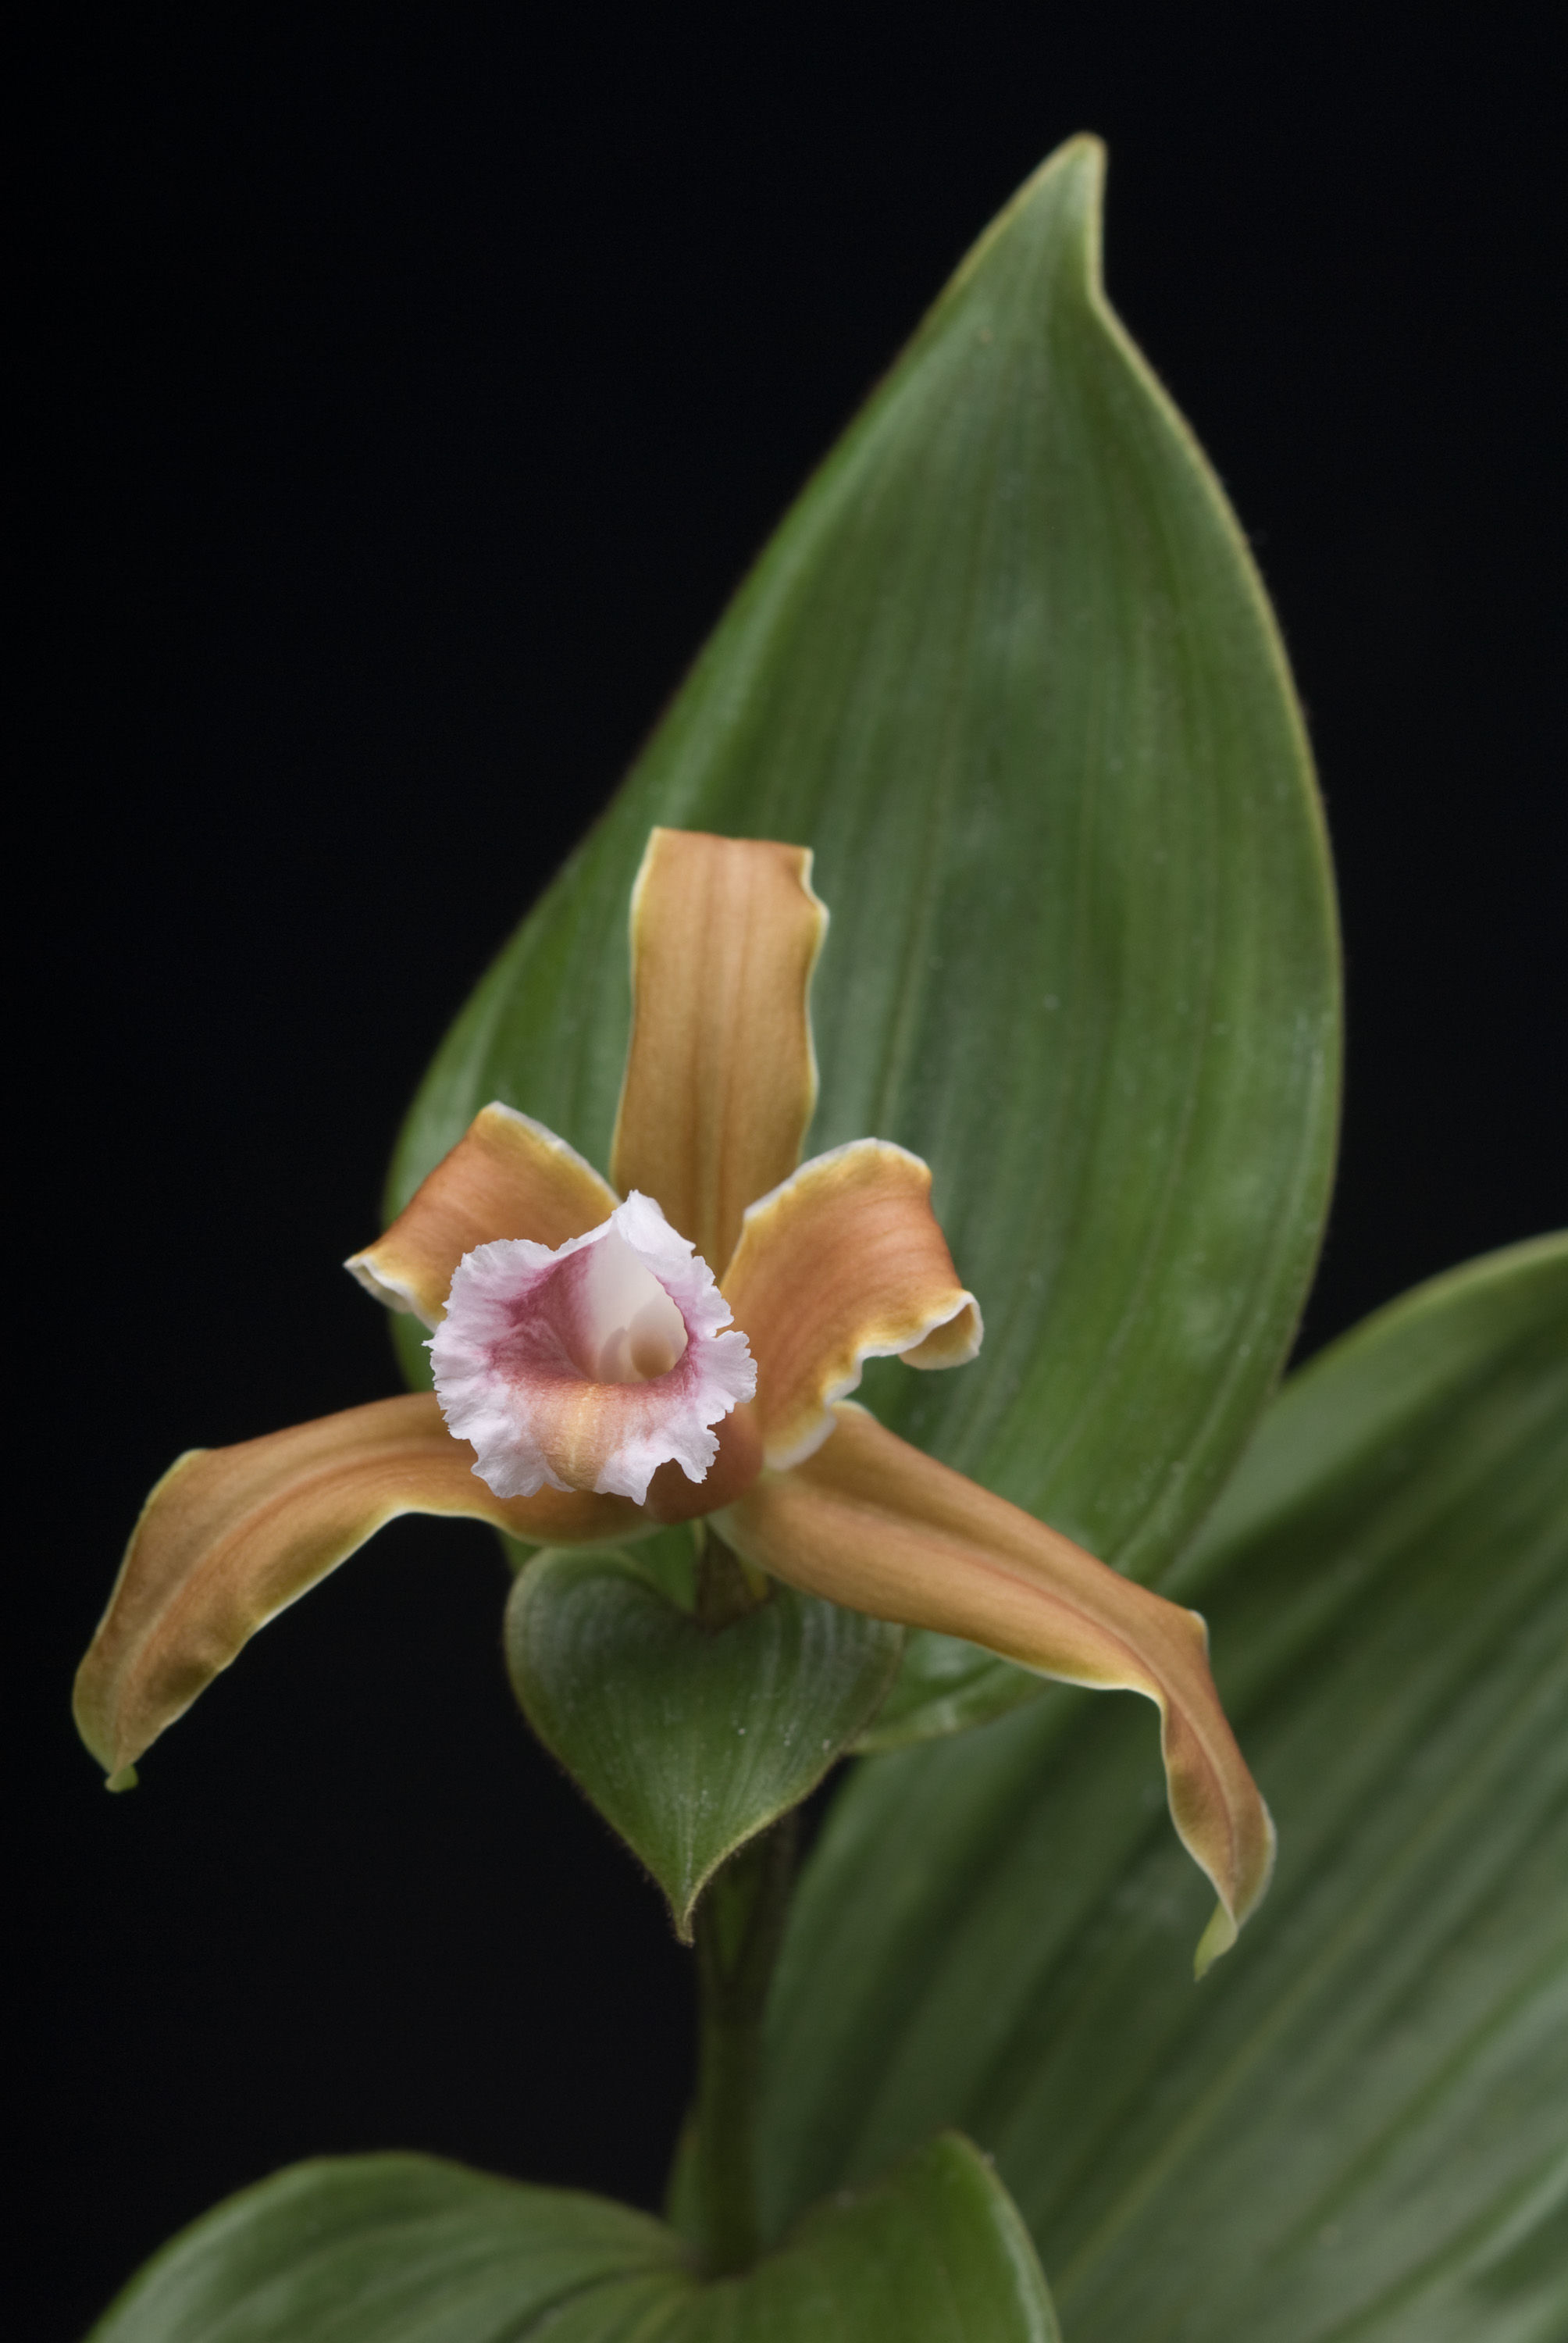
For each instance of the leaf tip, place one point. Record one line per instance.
(1068, 187)
(123, 1778)
(683, 1913)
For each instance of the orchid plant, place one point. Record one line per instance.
(1008, 674)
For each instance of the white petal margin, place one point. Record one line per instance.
(590, 1366)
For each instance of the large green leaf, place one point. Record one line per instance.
(402, 2249)
(1356, 2128)
(396, 2249)
(689, 1738)
(1007, 668)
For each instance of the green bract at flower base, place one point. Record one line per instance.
(583, 1352)
(692, 1714)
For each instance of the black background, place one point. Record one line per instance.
(409, 393)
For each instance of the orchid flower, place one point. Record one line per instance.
(677, 1343)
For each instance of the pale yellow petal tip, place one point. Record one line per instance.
(1225, 1926)
(125, 1779)
(361, 1269)
(954, 1341)
(1218, 1937)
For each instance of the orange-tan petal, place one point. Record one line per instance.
(231, 1536)
(844, 1261)
(508, 1176)
(721, 1075)
(871, 1522)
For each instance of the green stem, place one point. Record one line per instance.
(739, 1925)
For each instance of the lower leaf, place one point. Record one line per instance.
(396, 2249)
(404, 2249)
(936, 2253)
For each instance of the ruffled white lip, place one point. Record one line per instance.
(590, 1366)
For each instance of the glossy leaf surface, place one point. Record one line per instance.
(1008, 668)
(1355, 2128)
(687, 1738)
(403, 2249)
